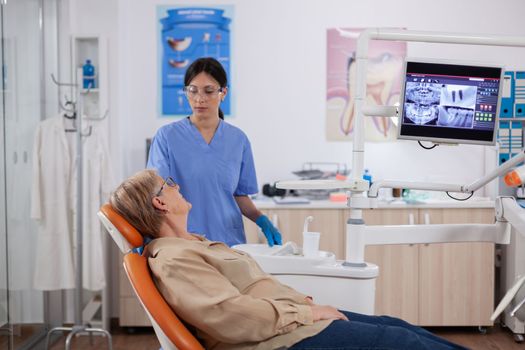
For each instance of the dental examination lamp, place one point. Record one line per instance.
(516, 177)
(358, 235)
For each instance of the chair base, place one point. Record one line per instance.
(79, 330)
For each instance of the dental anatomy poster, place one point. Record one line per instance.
(384, 76)
(185, 34)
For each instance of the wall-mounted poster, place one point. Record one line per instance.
(383, 84)
(185, 34)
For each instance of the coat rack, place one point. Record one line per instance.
(79, 328)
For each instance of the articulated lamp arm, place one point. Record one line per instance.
(500, 170)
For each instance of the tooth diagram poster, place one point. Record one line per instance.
(384, 76)
(185, 34)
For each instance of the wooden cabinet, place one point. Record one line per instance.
(449, 284)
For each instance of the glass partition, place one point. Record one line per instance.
(5, 334)
(22, 318)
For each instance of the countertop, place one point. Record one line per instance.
(474, 202)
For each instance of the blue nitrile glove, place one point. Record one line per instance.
(273, 236)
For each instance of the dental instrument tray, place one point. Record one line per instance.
(319, 170)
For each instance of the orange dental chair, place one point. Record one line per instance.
(171, 332)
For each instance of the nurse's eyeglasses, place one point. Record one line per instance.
(168, 181)
(208, 92)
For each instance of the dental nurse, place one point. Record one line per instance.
(211, 160)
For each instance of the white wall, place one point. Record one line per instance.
(279, 65)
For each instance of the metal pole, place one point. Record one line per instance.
(79, 281)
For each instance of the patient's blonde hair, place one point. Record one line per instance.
(133, 200)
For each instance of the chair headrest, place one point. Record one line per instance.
(125, 236)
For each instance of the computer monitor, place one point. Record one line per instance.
(450, 102)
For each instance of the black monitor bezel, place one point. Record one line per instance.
(449, 135)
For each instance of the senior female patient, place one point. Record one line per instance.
(229, 300)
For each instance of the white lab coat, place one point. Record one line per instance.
(53, 204)
(97, 184)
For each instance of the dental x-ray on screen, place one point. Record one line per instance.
(450, 102)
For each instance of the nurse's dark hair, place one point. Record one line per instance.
(133, 201)
(208, 65)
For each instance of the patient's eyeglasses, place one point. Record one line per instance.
(168, 181)
(207, 92)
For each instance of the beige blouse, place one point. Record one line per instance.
(226, 296)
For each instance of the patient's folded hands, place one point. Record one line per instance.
(326, 312)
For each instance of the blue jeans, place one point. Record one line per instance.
(373, 332)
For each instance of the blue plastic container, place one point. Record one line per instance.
(367, 176)
(88, 75)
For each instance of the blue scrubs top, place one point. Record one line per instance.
(209, 175)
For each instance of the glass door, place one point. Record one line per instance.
(21, 306)
(5, 330)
